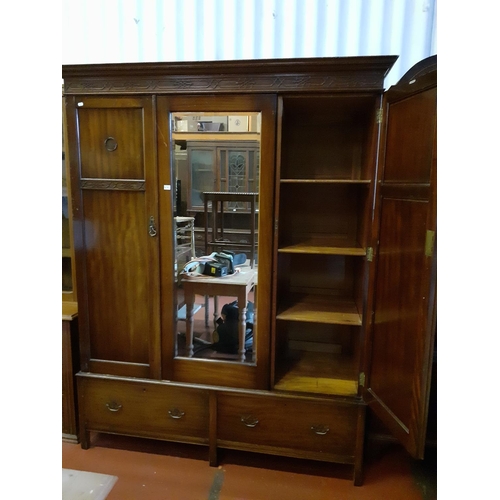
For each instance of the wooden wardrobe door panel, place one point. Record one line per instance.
(117, 258)
(402, 335)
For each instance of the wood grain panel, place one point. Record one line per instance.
(411, 122)
(398, 328)
(125, 126)
(117, 292)
(215, 372)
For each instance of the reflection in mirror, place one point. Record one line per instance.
(215, 158)
(67, 279)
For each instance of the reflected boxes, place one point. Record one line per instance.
(237, 123)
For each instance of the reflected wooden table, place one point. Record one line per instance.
(70, 365)
(238, 286)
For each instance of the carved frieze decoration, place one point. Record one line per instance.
(227, 83)
(113, 184)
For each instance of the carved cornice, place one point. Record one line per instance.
(113, 184)
(300, 75)
(229, 83)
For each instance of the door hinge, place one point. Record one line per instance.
(429, 243)
(380, 115)
(369, 254)
(362, 379)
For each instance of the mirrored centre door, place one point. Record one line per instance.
(216, 170)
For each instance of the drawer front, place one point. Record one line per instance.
(145, 409)
(325, 429)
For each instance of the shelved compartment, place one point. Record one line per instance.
(318, 323)
(325, 193)
(328, 137)
(317, 358)
(320, 288)
(324, 218)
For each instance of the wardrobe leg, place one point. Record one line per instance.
(85, 439)
(360, 440)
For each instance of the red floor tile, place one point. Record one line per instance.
(155, 470)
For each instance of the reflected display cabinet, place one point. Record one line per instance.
(336, 316)
(229, 165)
(222, 166)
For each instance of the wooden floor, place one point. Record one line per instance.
(155, 470)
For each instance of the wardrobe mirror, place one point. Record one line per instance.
(216, 159)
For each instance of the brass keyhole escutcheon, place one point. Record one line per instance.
(152, 227)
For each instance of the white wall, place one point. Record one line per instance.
(104, 31)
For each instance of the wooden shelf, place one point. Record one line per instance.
(319, 309)
(216, 136)
(322, 247)
(69, 310)
(325, 181)
(319, 373)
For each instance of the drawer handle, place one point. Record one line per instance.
(113, 406)
(176, 413)
(249, 420)
(320, 430)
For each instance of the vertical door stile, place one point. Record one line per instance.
(165, 192)
(152, 188)
(275, 241)
(372, 223)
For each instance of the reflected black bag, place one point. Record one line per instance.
(230, 259)
(215, 269)
(225, 263)
(226, 333)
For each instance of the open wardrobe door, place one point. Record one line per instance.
(401, 340)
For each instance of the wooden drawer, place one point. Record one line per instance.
(145, 409)
(322, 430)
